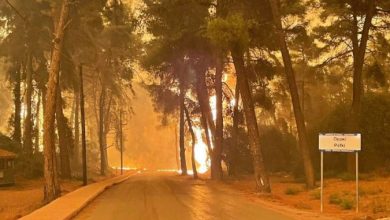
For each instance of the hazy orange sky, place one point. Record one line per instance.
(148, 144)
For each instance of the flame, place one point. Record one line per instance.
(202, 157)
(233, 102)
(213, 105)
(201, 152)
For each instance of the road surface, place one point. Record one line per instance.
(159, 196)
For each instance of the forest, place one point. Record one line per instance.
(249, 84)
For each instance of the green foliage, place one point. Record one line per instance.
(30, 166)
(8, 144)
(374, 123)
(292, 191)
(346, 204)
(279, 151)
(344, 201)
(238, 157)
(229, 32)
(335, 199)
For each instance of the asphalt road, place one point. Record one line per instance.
(160, 196)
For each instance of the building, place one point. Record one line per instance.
(7, 167)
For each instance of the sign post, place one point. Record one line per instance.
(340, 143)
(357, 181)
(322, 181)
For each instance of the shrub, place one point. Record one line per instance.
(374, 122)
(315, 194)
(292, 191)
(343, 201)
(346, 204)
(347, 176)
(335, 199)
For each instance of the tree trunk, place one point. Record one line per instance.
(216, 168)
(64, 140)
(234, 148)
(301, 127)
(359, 51)
(176, 149)
(107, 122)
(261, 176)
(204, 101)
(28, 124)
(76, 151)
(183, 164)
(37, 123)
(193, 143)
(102, 102)
(51, 184)
(206, 131)
(17, 135)
(206, 116)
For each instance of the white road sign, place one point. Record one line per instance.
(340, 142)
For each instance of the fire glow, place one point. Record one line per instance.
(201, 152)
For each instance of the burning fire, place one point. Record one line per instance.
(202, 156)
(201, 152)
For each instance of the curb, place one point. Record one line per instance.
(69, 205)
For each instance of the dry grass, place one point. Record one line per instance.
(339, 196)
(26, 196)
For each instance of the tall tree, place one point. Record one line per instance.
(236, 41)
(261, 175)
(64, 136)
(350, 34)
(17, 132)
(182, 91)
(289, 71)
(180, 39)
(51, 185)
(28, 120)
(193, 143)
(76, 151)
(216, 167)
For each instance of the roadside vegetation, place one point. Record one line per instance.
(249, 84)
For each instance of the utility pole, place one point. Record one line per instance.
(83, 139)
(121, 139)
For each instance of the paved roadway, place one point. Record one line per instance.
(161, 196)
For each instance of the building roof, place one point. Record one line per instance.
(6, 154)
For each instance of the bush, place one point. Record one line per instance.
(238, 158)
(343, 201)
(374, 123)
(347, 176)
(8, 144)
(292, 191)
(346, 204)
(279, 150)
(335, 199)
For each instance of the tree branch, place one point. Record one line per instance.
(16, 11)
(330, 59)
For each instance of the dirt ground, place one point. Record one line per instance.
(339, 196)
(27, 195)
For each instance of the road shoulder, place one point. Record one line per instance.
(66, 207)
